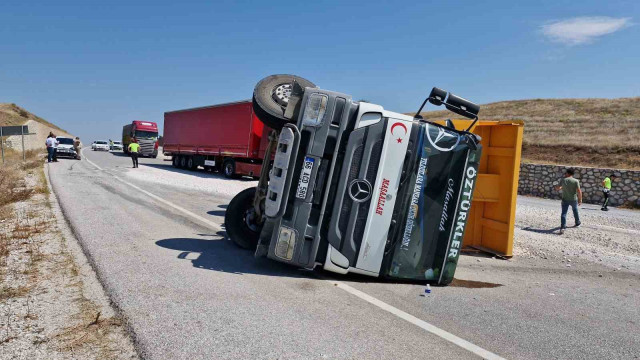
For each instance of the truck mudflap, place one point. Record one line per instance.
(432, 212)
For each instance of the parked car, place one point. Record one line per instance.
(100, 145)
(116, 145)
(65, 148)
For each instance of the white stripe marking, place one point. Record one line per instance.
(199, 218)
(485, 354)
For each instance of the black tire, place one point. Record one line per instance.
(174, 161)
(190, 164)
(183, 162)
(270, 98)
(236, 223)
(229, 169)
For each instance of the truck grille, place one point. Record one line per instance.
(361, 161)
(147, 146)
(347, 203)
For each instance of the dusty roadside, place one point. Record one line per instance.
(51, 303)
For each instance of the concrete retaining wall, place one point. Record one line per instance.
(33, 142)
(539, 180)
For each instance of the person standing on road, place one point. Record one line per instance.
(571, 196)
(76, 146)
(606, 189)
(133, 150)
(55, 147)
(49, 142)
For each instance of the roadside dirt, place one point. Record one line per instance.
(51, 304)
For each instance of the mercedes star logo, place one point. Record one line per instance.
(442, 138)
(360, 190)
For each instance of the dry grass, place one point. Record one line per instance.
(12, 173)
(588, 132)
(12, 114)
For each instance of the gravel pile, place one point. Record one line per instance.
(199, 181)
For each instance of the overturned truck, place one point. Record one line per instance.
(355, 188)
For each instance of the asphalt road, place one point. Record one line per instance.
(156, 239)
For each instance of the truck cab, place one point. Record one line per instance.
(355, 188)
(145, 133)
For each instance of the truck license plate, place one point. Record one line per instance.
(305, 177)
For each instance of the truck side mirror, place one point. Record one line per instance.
(437, 96)
(462, 106)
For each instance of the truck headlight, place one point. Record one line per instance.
(286, 243)
(315, 109)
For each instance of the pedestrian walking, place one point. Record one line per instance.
(133, 148)
(49, 142)
(571, 196)
(77, 145)
(606, 190)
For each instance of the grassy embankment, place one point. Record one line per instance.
(581, 132)
(12, 114)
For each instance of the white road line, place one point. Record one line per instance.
(199, 218)
(485, 354)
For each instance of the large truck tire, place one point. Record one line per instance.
(238, 220)
(271, 96)
(174, 160)
(190, 163)
(229, 169)
(183, 162)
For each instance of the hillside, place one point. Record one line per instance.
(586, 132)
(12, 114)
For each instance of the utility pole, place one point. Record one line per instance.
(2, 144)
(22, 134)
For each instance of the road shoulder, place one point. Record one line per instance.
(52, 304)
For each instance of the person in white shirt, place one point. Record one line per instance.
(51, 143)
(55, 148)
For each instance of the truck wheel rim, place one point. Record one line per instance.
(228, 169)
(282, 93)
(248, 220)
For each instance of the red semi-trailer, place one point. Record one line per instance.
(225, 137)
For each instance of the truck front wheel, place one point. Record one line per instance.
(240, 220)
(271, 96)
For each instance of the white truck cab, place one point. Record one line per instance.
(355, 188)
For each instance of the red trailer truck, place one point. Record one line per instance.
(226, 137)
(146, 134)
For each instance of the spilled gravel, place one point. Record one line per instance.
(611, 238)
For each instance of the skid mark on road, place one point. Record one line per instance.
(190, 214)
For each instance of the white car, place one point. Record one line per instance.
(116, 145)
(65, 147)
(100, 145)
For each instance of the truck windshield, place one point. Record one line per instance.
(431, 197)
(151, 135)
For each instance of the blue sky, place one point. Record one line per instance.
(91, 67)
